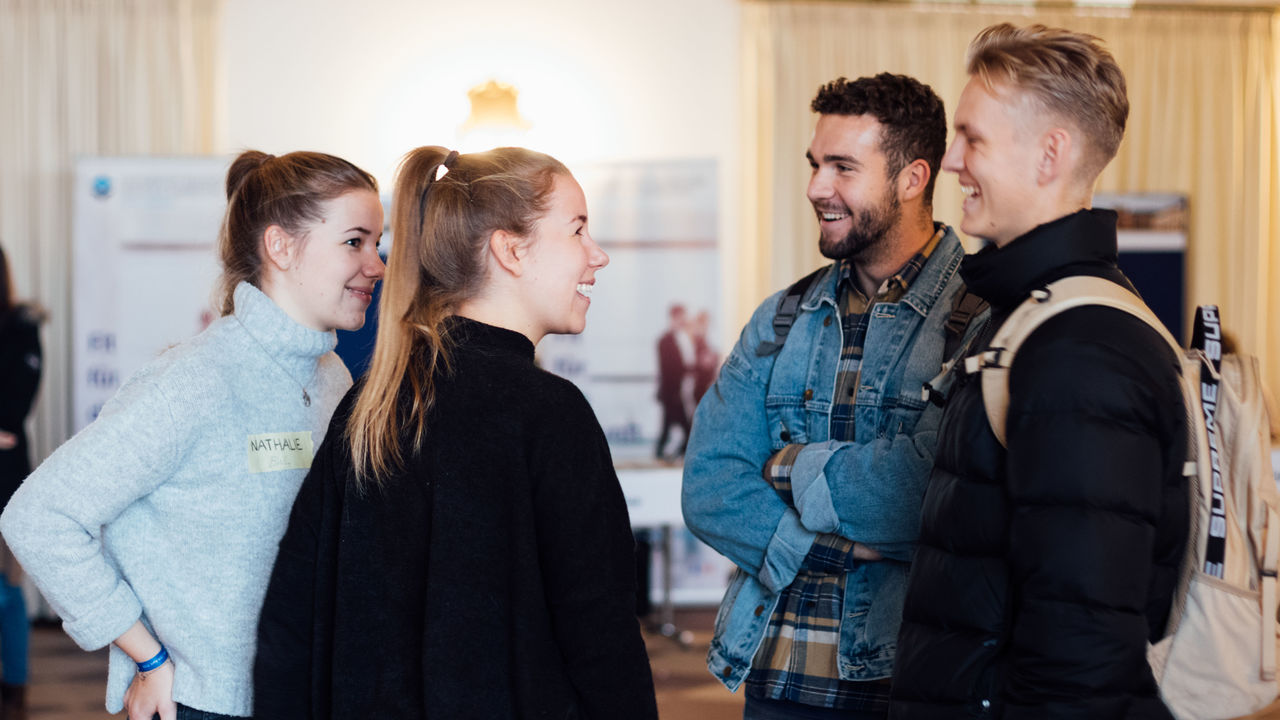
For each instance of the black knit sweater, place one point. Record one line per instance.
(492, 578)
(20, 361)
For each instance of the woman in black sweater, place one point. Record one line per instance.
(20, 363)
(461, 547)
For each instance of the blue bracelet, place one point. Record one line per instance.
(154, 662)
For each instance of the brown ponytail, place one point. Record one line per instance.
(265, 190)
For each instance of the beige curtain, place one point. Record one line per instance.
(1205, 103)
(89, 77)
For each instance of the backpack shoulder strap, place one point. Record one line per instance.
(1057, 297)
(788, 307)
(966, 307)
(969, 313)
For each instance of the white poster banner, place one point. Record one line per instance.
(657, 222)
(144, 249)
(648, 352)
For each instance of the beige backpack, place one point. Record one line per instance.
(1218, 657)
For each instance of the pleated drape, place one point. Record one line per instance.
(89, 77)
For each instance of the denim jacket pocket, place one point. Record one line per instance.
(902, 417)
(890, 415)
(787, 420)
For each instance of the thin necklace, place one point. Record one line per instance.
(306, 398)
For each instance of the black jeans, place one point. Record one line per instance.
(186, 713)
(761, 709)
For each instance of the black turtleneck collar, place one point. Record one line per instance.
(478, 336)
(1082, 243)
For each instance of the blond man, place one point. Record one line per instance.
(1043, 569)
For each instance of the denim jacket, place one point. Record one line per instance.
(869, 490)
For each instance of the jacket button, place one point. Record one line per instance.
(826, 322)
(727, 671)
(759, 610)
(808, 394)
(784, 436)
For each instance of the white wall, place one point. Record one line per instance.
(599, 79)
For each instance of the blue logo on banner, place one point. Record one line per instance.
(102, 187)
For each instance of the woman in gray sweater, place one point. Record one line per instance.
(155, 528)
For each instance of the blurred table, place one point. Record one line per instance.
(653, 501)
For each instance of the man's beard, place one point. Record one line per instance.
(869, 228)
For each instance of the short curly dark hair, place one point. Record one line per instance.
(911, 113)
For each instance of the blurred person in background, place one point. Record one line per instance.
(20, 361)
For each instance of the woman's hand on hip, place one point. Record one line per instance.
(151, 694)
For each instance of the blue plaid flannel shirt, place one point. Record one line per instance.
(797, 661)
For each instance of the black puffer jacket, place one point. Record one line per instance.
(1043, 571)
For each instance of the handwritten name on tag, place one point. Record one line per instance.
(269, 452)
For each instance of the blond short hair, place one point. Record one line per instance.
(1067, 74)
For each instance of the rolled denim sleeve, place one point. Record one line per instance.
(727, 503)
(868, 492)
(830, 553)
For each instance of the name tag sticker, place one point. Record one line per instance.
(270, 452)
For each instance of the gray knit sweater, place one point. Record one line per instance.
(170, 505)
